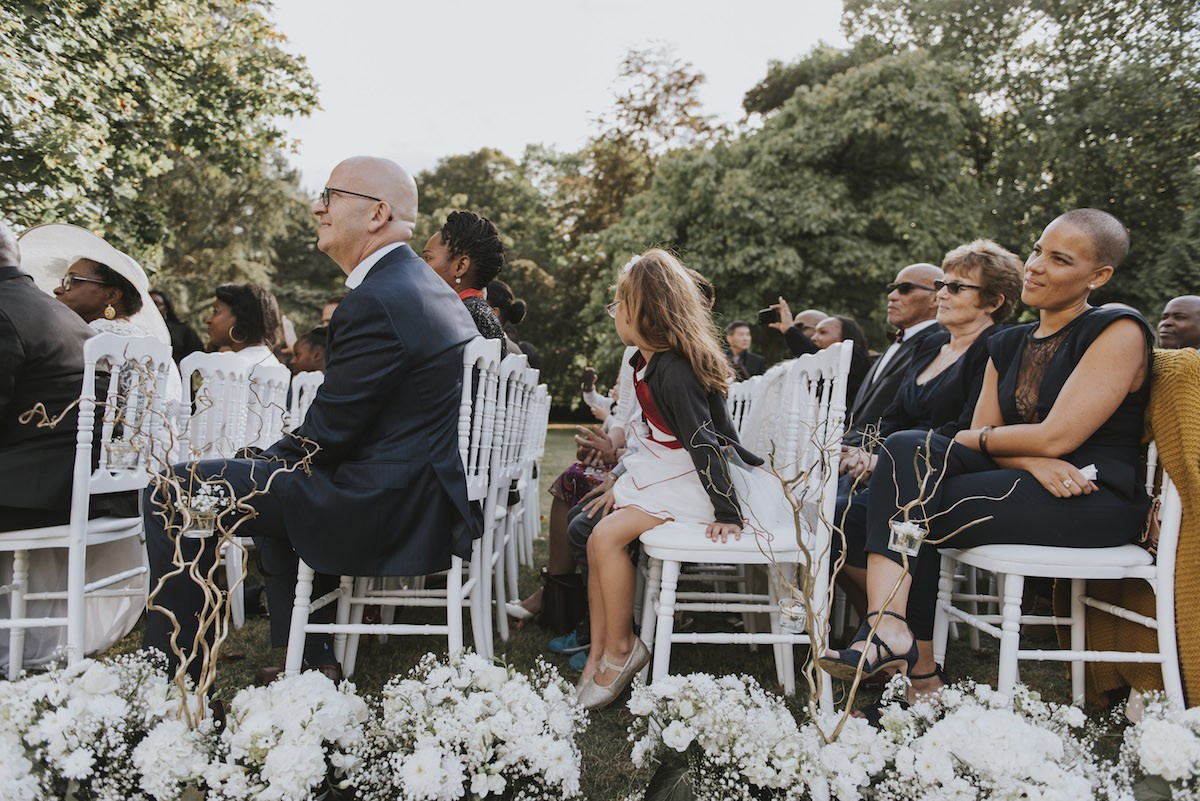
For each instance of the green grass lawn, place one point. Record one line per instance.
(607, 771)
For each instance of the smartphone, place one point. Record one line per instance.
(589, 379)
(767, 316)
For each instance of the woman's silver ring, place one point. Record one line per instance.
(1067, 483)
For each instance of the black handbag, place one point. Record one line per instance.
(564, 601)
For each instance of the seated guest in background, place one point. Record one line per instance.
(942, 384)
(911, 308)
(386, 495)
(330, 307)
(308, 354)
(839, 328)
(468, 255)
(41, 361)
(1061, 396)
(511, 310)
(745, 363)
(104, 286)
(1180, 323)
(797, 331)
(184, 339)
(245, 321)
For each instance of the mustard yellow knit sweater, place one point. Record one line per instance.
(1173, 421)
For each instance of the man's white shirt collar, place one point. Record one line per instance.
(359, 273)
(921, 326)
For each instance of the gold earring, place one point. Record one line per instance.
(234, 339)
(109, 312)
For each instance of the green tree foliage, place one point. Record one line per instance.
(100, 96)
(849, 180)
(255, 225)
(1088, 104)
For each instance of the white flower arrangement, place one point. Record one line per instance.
(283, 742)
(73, 732)
(739, 742)
(465, 726)
(965, 742)
(968, 741)
(1160, 754)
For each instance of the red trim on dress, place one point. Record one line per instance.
(649, 410)
(470, 293)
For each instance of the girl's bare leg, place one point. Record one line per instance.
(612, 574)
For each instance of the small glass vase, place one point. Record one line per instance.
(200, 525)
(122, 454)
(906, 537)
(792, 614)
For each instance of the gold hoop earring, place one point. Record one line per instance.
(234, 339)
(109, 312)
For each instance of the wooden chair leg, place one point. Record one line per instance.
(16, 636)
(941, 619)
(1078, 640)
(235, 582)
(666, 619)
(650, 595)
(342, 616)
(1010, 636)
(454, 606)
(360, 587)
(300, 611)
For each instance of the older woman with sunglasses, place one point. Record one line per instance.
(1050, 458)
(980, 289)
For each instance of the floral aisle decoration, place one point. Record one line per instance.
(726, 738)
(74, 732)
(288, 741)
(467, 727)
(1160, 754)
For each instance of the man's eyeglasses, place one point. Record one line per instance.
(905, 287)
(612, 309)
(327, 195)
(70, 278)
(954, 287)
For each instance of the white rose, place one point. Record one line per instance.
(678, 736)
(99, 680)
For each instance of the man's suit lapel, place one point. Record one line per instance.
(875, 375)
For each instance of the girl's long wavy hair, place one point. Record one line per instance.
(669, 312)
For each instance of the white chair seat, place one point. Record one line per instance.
(1053, 562)
(96, 529)
(686, 542)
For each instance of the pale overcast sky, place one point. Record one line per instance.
(418, 81)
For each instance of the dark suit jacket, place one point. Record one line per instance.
(387, 494)
(879, 388)
(41, 360)
(752, 364)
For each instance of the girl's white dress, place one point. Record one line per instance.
(662, 481)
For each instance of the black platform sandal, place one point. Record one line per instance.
(844, 666)
(874, 712)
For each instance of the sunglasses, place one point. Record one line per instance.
(70, 278)
(954, 287)
(906, 286)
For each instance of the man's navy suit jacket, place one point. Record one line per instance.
(387, 494)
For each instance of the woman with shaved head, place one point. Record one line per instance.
(1056, 432)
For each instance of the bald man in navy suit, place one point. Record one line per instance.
(386, 495)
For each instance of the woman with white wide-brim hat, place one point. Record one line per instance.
(108, 290)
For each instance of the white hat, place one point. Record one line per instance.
(48, 250)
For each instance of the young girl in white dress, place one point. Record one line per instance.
(684, 464)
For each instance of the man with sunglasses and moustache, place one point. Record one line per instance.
(911, 308)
